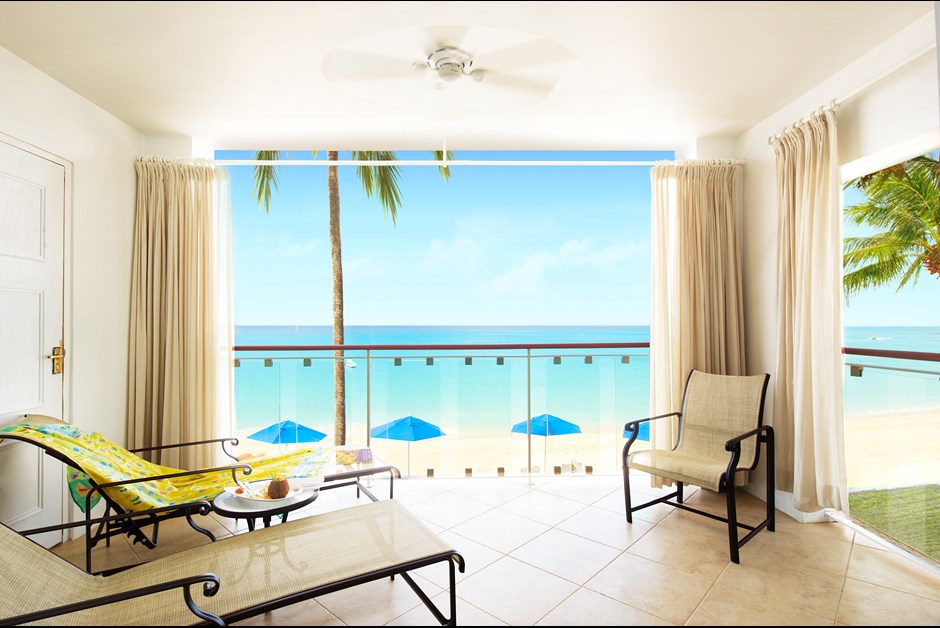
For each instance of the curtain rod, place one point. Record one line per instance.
(425, 162)
(838, 102)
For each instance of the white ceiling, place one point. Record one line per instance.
(635, 74)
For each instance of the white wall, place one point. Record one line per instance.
(900, 107)
(34, 108)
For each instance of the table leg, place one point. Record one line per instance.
(251, 524)
(267, 522)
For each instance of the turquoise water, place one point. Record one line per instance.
(487, 397)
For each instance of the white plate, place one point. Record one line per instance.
(261, 487)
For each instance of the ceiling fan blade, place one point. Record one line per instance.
(440, 36)
(527, 54)
(350, 65)
(511, 82)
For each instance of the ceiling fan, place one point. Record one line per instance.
(447, 56)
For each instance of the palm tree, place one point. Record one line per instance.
(380, 180)
(903, 203)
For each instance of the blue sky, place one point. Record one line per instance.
(493, 246)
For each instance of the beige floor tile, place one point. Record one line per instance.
(725, 605)
(566, 555)
(815, 590)
(375, 603)
(543, 507)
(448, 510)
(407, 491)
(119, 554)
(829, 530)
(309, 613)
(605, 527)
(641, 583)
(467, 614)
(614, 503)
(891, 570)
(691, 546)
(477, 557)
(875, 543)
(491, 491)
(793, 546)
(587, 608)
(176, 535)
(865, 604)
(500, 530)
(750, 509)
(611, 480)
(584, 490)
(515, 592)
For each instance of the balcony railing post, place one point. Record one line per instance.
(368, 397)
(528, 414)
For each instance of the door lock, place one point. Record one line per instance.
(57, 357)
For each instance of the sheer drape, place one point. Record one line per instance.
(180, 382)
(697, 309)
(808, 393)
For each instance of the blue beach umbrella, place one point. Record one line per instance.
(546, 425)
(284, 432)
(409, 429)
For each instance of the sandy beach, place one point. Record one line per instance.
(882, 449)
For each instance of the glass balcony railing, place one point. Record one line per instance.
(478, 396)
(892, 444)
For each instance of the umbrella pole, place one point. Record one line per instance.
(409, 457)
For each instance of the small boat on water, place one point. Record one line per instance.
(350, 364)
(877, 337)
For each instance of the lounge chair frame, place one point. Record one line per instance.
(763, 433)
(120, 523)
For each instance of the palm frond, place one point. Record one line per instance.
(439, 156)
(382, 181)
(265, 178)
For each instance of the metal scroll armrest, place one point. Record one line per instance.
(210, 586)
(225, 441)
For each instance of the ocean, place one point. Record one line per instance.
(487, 397)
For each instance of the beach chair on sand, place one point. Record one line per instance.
(101, 470)
(237, 577)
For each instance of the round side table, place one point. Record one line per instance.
(235, 507)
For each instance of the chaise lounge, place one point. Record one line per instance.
(240, 576)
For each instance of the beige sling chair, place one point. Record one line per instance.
(238, 577)
(720, 432)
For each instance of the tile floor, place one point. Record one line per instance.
(558, 552)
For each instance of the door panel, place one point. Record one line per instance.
(32, 218)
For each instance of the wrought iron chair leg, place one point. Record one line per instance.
(679, 492)
(626, 492)
(732, 522)
(194, 526)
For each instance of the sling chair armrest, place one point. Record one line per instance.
(634, 427)
(210, 586)
(736, 441)
(627, 425)
(224, 441)
(200, 508)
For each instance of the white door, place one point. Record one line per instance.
(32, 218)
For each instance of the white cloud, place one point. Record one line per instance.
(364, 268)
(463, 251)
(529, 277)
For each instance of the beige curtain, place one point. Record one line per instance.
(180, 382)
(808, 394)
(697, 311)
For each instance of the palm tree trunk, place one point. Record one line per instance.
(336, 250)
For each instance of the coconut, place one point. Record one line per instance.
(278, 488)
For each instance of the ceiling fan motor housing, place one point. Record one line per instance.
(450, 63)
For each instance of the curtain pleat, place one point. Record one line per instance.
(179, 379)
(808, 418)
(697, 319)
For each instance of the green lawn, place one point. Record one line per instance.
(910, 515)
